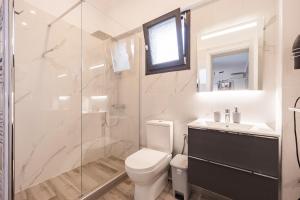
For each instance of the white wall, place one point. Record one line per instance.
(291, 90)
(173, 96)
(114, 17)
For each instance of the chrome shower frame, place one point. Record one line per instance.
(8, 99)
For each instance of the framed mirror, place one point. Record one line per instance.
(230, 70)
(229, 57)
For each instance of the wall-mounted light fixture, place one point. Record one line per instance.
(296, 52)
(230, 96)
(231, 29)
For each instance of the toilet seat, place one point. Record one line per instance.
(148, 168)
(145, 160)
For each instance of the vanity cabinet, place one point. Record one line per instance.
(237, 165)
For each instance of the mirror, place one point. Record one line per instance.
(230, 70)
(228, 58)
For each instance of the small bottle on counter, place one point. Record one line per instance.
(236, 116)
(227, 117)
(217, 116)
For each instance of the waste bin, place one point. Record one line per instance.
(181, 188)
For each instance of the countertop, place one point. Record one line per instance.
(258, 129)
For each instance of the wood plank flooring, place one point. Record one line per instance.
(125, 191)
(67, 186)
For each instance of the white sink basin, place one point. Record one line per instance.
(230, 126)
(247, 128)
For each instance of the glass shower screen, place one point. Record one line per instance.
(48, 80)
(76, 120)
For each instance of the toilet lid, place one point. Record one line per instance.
(145, 159)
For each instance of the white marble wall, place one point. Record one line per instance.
(290, 91)
(173, 96)
(52, 90)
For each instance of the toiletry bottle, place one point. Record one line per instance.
(227, 117)
(236, 116)
(217, 116)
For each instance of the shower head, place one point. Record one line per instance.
(101, 35)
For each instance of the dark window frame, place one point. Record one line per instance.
(184, 55)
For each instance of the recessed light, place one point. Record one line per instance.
(98, 97)
(64, 98)
(96, 66)
(24, 24)
(32, 12)
(62, 75)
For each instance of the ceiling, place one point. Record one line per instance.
(113, 17)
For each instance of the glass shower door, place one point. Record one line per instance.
(110, 98)
(47, 100)
(76, 99)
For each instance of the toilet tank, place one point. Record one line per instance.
(159, 135)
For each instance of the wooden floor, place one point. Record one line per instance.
(68, 185)
(125, 191)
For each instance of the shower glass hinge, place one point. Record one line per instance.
(184, 60)
(146, 47)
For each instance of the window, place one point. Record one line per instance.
(167, 41)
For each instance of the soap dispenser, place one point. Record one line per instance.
(236, 116)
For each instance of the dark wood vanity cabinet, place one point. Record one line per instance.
(236, 165)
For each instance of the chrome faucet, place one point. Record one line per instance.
(227, 117)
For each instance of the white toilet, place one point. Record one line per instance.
(148, 168)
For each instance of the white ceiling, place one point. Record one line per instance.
(113, 17)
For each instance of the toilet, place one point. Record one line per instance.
(148, 168)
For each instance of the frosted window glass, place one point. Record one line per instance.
(120, 56)
(163, 42)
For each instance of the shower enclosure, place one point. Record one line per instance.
(76, 99)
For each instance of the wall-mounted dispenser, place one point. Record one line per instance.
(296, 52)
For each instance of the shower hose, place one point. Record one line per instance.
(184, 141)
(295, 131)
